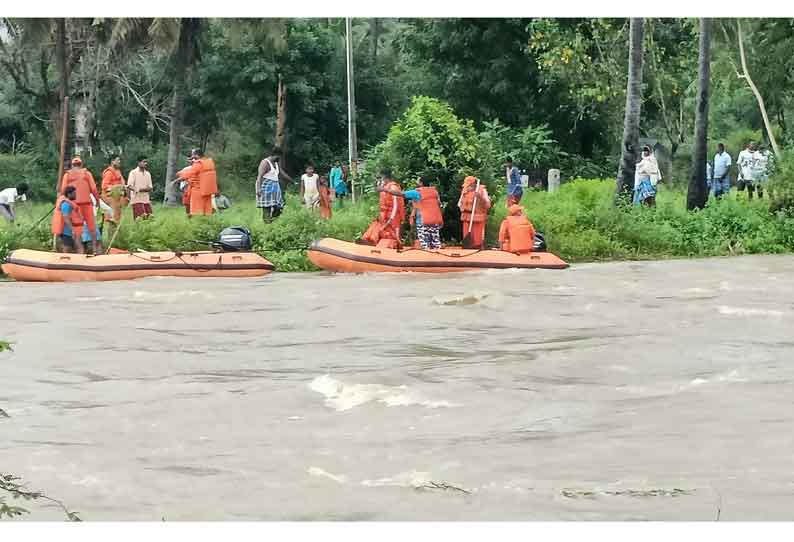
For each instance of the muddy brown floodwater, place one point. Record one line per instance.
(653, 390)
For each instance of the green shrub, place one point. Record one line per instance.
(579, 221)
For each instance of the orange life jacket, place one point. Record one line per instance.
(480, 211)
(75, 218)
(207, 178)
(110, 178)
(184, 174)
(521, 234)
(429, 206)
(82, 180)
(387, 203)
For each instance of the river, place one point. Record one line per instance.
(618, 391)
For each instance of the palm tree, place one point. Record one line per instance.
(631, 119)
(697, 195)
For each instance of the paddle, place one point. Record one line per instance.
(467, 239)
(39, 222)
(115, 233)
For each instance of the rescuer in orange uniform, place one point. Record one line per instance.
(85, 187)
(516, 234)
(203, 183)
(113, 191)
(468, 195)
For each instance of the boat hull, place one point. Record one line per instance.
(344, 257)
(40, 266)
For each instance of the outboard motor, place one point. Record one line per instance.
(234, 239)
(540, 243)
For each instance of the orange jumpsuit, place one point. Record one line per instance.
(84, 182)
(203, 185)
(466, 204)
(112, 177)
(392, 212)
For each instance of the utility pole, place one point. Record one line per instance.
(351, 108)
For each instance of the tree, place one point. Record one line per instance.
(671, 52)
(697, 194)
(31, 43)
(745, 75)
(631, 120)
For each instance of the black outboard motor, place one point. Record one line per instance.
(234, 239)
(540, 243)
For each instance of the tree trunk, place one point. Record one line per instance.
(758, 97)
(631, 119)
(374, 30)
(172, 197)
(697, 195)
(281, 120)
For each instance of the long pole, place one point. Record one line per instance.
(64, 131)
(351, 108)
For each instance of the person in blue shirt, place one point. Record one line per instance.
(720, 180)
(68, 240)
(514, 188)
(428, 217)
(337, 180)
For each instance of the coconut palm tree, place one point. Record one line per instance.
(631, 119)
(697, 194)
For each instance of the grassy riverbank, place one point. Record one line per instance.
(580, 222)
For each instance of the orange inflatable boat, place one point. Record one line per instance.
(344, 257)
(35, 265)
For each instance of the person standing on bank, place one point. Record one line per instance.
(514, 189)
(269, 196)
(338, 185)
(8, 199)
(720, 180)
(309, 188)
(113, 193)
(205, 183)
(139, 182)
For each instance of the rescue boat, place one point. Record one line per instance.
(344, 257)
(40, 266)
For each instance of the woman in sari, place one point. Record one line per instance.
(646, 177)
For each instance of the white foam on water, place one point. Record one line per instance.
(731, 376)
(404, 479)
(742, 311)
(463, 299)
(139, 294)
(697, 291)
(317, 471)
(341, 396)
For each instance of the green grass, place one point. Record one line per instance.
(580, 222)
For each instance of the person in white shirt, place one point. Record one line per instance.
(745, 164)
(9, 197)
(309, 188)
(760, 170)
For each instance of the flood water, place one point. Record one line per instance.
(621, 391)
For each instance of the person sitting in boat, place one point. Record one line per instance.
(467, 205)
(516, 234)
(428, 217)
(67, 221)
(385, 231)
